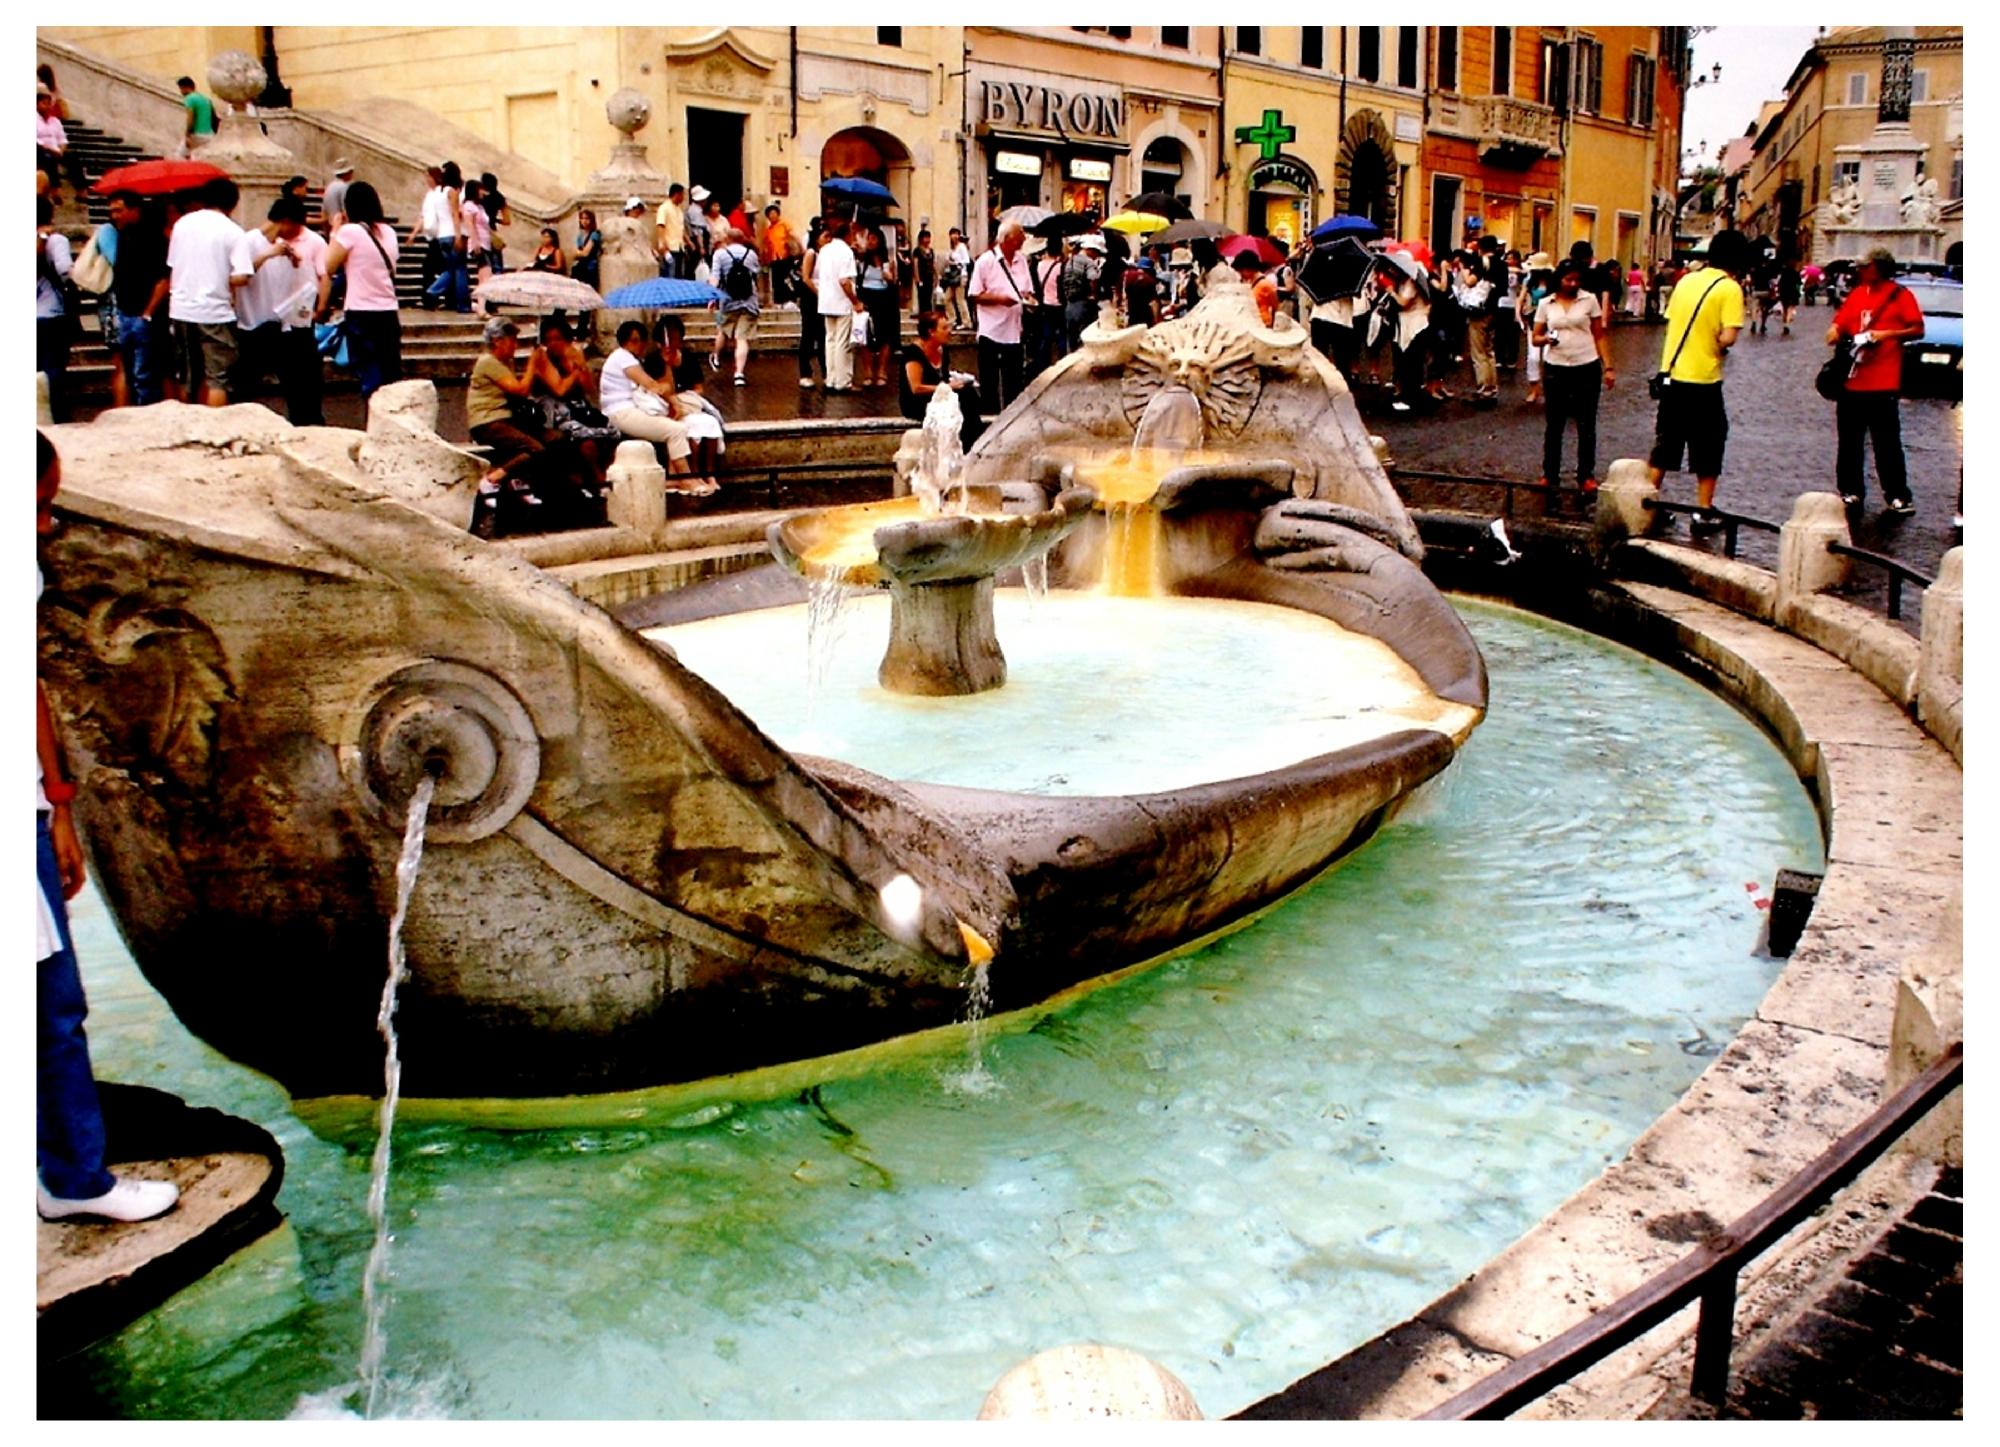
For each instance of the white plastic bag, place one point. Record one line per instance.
(860, 338)
(702, 274)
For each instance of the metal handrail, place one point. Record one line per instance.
(1731, 521)
(1709, 1272)
(1898, 571)
(1509, 485)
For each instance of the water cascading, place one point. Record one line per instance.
(374, 1339)
(1169, 431)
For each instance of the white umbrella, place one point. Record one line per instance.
(1026, 215)
(542, 291)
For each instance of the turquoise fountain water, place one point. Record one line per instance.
(1241, 1162)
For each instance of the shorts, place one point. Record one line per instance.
(1691, 418)
(736, 326)
(204, 351)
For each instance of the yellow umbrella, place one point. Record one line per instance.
(1135, 222)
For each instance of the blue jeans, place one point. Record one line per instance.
(375, 347)
(69, 1124)
(453, 285)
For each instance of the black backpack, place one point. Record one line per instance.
(738, 284)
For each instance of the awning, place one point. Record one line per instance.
(1042, 140)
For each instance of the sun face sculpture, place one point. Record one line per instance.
(1210, 358)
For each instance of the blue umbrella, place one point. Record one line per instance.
(664, 291)
(1335, 227)
(858, 188)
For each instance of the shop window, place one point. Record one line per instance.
(1250, 39)
(1857, 89)
(889, 35)
(1407, 39)
(1503, 60)
(1312, 46)
(1368, 53)
(1447, 65)
(1174, 37)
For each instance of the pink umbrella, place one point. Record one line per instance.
(1264, 250)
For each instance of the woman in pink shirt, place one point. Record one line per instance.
(364, 251)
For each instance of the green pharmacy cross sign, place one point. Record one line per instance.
(1270, 137)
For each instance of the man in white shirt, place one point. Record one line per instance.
(279, 273)
(201, 303)
(1001, 291)
(670, 232)
(623, 390)
(835, 277)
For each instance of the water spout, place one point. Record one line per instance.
(374, 1340)
(942, 458)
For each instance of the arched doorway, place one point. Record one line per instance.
(1365, 180)
(1166, 166)
(1281, 200)
(874, 155)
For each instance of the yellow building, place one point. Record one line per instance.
(1608, 154)
(1831, 102)
(1322, 120)
(760, 112)
(1082, 118)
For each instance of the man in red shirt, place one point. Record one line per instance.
(1879, 316)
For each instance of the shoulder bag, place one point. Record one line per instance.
(1831, 380)
(1657, 384)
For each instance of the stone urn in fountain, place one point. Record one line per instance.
(937, 553)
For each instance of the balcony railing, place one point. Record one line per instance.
(1508, 131)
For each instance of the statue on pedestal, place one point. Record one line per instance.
(1845, 202)
(1920, 203)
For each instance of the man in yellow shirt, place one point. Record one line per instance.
(1704, 318)
(670, 231)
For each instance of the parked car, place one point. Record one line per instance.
(1934, 364)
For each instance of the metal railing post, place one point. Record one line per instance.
(1714, 1337)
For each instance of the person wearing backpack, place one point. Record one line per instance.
(734, 272)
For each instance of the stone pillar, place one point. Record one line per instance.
(1805, 566)
(1621, 503)
(1930, 1015)
(258, 165)
(638, 489)
(1941, 661)
(628, 244)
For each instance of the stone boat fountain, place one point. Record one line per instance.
(261, 638)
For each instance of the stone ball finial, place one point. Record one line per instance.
(236, 77)
(628, 110)
(1090, 1382)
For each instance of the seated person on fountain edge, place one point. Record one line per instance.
(924, 367)
(640, 406)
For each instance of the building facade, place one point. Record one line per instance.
(1830, 104)
(1612, 128)
(1079, 118)
(1321, 121)
(1493, 150)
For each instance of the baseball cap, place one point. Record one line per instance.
(635, 203)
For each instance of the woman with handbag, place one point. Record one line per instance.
(534, 465)
(1576, 368)
(880, 294)
(364, 251)
(566, 387)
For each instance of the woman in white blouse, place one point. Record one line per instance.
(1576, 368)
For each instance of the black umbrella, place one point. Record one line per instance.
(1182, 232)
(1159, 203)
(1337, 269)
(1064, 223)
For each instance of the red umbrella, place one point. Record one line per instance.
(158, 178)
(1416, 249)
(1266, 252)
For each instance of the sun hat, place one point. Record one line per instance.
(1540, 261)
(1091, 242)
(342, 166)
(700, 193)
(1181, 257)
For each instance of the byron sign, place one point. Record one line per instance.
(1079, 115)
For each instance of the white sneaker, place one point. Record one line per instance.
(805, 384)
(129, 1199)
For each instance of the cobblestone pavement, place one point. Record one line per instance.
(1887, 1341)
(1781, 444)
